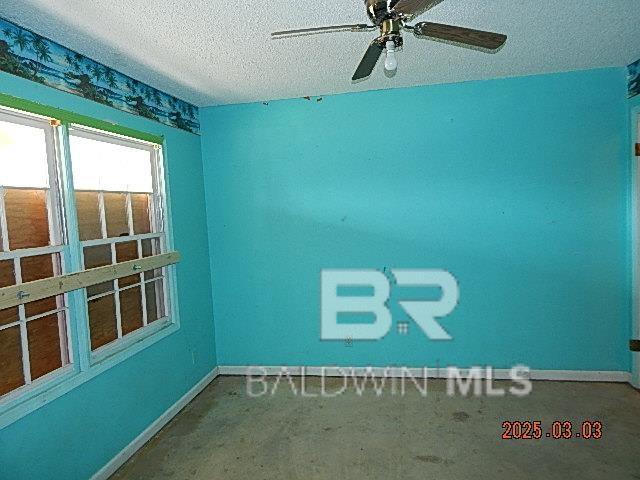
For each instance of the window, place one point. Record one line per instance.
(119, 219)
(111, 211)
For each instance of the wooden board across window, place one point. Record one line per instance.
(48, 287)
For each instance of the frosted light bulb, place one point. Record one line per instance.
(391, 63)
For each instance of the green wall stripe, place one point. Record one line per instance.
(71, 117)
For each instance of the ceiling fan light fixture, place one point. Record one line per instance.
(391, 62)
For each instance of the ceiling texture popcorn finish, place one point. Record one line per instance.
(213, 52)
(31, 56)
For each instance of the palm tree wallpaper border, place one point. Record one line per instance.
(31, 56)
(633, 78)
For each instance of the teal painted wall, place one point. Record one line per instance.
(77, 434)
(517, 186)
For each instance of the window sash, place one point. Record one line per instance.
(57, 244)
(157, 227)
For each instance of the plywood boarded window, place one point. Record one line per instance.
(33, 336)
(119, 207)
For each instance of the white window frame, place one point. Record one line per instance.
(85, 364)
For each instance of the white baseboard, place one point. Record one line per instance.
(332, 371)
(116, 462)
(498, 374)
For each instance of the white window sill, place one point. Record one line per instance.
(23, 401)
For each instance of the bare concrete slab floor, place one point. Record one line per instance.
(226, 434)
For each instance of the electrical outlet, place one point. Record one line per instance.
(348, 342)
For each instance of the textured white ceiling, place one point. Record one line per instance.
(214, 52)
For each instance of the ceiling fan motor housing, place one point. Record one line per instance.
(389, 22)
(376, 9)
(390, 31)
(380, 10)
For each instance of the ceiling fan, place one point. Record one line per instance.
(391, 17)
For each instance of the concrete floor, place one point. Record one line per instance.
(225, 434)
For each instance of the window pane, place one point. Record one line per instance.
(12, 376)
(98, 256)
(154, 296)
(23, 156)
(155, 273)
(130, 309)
(102, 165)
(140, 211)
(127, 251)
(44, 345)
(44, 305)
(115, 208)
(36, 268)
(102, 321)
(88, 208)
(150, 246)
(7, 278)
(100, 288)
(8, 315)
(27, 219)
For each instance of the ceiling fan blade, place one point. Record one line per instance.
(360, 27)
(368, 62)
(476, 38)
(413, 7)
